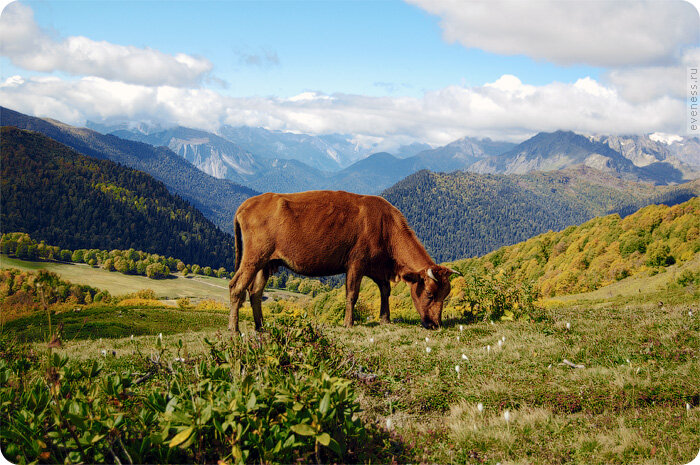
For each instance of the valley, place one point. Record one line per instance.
(571, 335)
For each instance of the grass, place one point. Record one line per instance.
(628, 405)
(197, 287)
(641, 369)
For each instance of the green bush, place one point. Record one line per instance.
(275, 397)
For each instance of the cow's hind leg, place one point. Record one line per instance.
(353, 279)
(237, 288)
(384, 291)
(256, 290)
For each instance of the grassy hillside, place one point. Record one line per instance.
(602, 251)
(632, 401)
(118, 284)
(461, 214)
(69, 200)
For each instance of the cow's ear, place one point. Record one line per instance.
(411, 277)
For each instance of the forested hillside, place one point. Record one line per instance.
(460, 214)
(603, 250)
(72, 201)
(218, 199)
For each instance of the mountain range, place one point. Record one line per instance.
(456, 214)
(277, 161)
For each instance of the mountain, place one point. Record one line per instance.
(218, 199)
(57, 195)
(461, 154)
(324, 153)
(631, 158)
(210, 153)
(410, 150)
(373, 174)
(463, 214)
(601, 251)
(687, 150)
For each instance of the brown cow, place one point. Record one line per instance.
(322, 233)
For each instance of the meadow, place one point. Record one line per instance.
(479, 392)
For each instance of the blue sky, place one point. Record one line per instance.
(385, 71)
(283, 48)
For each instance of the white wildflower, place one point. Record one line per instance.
(687, 406)
(464, 357)
(428, 349)
(461, 328)
(371, 340)
(457, 370)
(488, 349)
(160, 336)
(500, 343)
(457, 338)
(506, 415)
(503, 339)
(389, 424)
(104, 353)
(427, 339)
(568, 325)
(480, 407)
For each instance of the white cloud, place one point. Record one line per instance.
(31, 48)
(504, 109)
(601, 33)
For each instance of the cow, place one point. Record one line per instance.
(322, 233)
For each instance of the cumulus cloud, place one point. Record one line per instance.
(504, 109)
(30, 47)
(607, 33)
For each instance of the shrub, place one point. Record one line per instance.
(276, 397)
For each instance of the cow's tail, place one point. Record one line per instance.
(239, 242)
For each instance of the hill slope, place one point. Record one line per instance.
(67, 199)
(462, 214)
(218, 199)
(601, 251)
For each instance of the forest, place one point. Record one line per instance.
(73, 201)
(460, 214)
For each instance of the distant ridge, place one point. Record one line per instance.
(462, 214)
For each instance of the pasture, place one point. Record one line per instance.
(455, 395)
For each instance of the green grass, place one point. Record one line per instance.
(641, 368)
(197, 287)
(119, 284)
(628, 405)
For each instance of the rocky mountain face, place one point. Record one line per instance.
(634, 158)
(325, 153)
(210, 153)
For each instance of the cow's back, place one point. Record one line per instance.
(317, 232)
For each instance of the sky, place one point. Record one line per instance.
(386, 72)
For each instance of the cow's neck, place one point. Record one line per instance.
(409, 254)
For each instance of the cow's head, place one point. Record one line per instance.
(429, 288)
